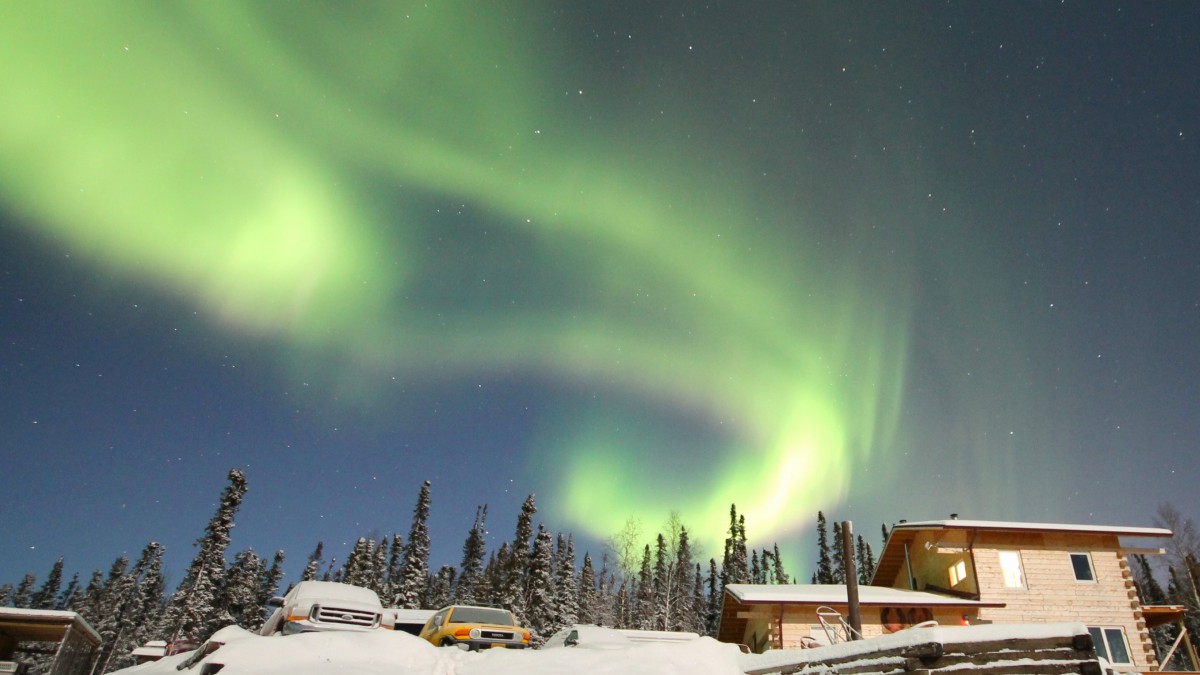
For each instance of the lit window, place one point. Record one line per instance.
(1010, 567)
(1082, 562)
(958, 572)
(1110, 644)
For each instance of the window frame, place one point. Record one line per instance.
(957, 572)
(1104, 646)
(1091, 566)
(1006, 570)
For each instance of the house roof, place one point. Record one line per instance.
(835, 594)
(892, 558)
(44, 625)
(1012, 526)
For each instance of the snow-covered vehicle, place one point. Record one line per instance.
(325, 605)
(474, 628)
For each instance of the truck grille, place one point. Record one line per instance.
(344, 617)
(497, 634)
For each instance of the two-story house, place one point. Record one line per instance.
(971, 571)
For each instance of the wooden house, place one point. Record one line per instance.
(998, 572)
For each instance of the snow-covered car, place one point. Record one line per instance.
(324, 605)
(603, 637)
(474, 628)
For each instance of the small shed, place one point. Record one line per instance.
(66, 636)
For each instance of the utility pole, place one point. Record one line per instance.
(855, 617)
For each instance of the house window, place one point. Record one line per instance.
(1082, 562)
(1010, 567)
(958, 572)
(1110, 644)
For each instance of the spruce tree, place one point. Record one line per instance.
(540, 607)
(838, 554)
(66, 599)
(470, 582)
(237, 603)
(824, 574)
(268, 583)
(566, 585)
(866, 560)
(781, 576)
(587, 593)
(23, 596)
(414, 574)
(516, 570)
(681, 596)
(645, 612)
(661, 584)
(313, 567)
(47, 595)
(189, 612)
(715, 592)
(439, 587)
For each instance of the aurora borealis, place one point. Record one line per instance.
(633, 260)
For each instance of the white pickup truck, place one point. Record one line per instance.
(325, 605)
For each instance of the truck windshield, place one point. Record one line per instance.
(497, 617)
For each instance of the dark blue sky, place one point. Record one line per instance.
(887, 261)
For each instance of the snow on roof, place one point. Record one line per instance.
(834, 594)
(911, 637)
(43, 621)
(1039, 527)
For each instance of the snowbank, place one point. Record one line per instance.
(397, 653)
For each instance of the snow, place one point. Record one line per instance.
(910, 638)
(396, 653)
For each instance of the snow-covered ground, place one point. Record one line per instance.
(397, 653)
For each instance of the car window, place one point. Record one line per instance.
(499, 617)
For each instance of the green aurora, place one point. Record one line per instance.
(233, 155)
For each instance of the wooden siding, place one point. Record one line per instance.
(1053, 594)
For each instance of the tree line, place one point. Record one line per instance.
(537, 575)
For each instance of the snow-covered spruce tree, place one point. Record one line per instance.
(540, 608)
(682, 586)
(586, 592)
(516, 573)
(735, 568)
(716, 587)
(566, 584)
(440, 586)
(661, 585)
(357, 570)
(47, 595)
(395, 564)
(696, 618)
(23, 597)
(237, 602)
(604, 606)
(470, 581)
(756, 572)
(838, 553)
(781, 576)
(379, 569)
(824, 573)
(133, 599)
(268, 583)
(313, 567)
(414, 574)
(67, 598)
(622, 607)
(645, 612)
(189, 612)
(102, 609)
(865, 560)
(6, 595)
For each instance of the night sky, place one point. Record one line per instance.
(888, 260)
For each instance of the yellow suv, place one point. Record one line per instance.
(475, 628)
